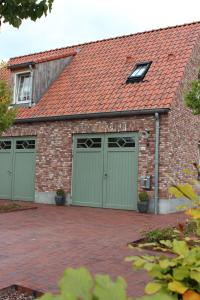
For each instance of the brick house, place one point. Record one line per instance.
(103, 120)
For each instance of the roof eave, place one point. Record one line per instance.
(21, 65)
(94, 115)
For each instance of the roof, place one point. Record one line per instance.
(4, 74)
(95, 80)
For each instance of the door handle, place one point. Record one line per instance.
(9, 172)
(105, 175)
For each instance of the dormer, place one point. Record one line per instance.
(31, 79)
(22, 83)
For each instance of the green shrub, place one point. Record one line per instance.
(156, 235)
(60, 192)
(7, 115)
(79, 284)
(172, 275)
(143, 196)
(192, 97)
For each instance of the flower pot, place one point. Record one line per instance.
(143, 206)
(60, 200)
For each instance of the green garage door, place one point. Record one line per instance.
(105, 170)
(17, 171)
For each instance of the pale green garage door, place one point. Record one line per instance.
(105, 170)
(17, 168)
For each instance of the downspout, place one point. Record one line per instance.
(156, 162)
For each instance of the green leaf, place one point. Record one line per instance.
(14, 11)
(159, 296)
(152, 288)
(195, 275)
(166, 243)
(149, 266)
(156, 272)
(165, 263)
(76, 283)
(178, 287)
(180, 247)
(49, 296)
(186, 191)
(180, 273)
(139, 263)
(106, 289)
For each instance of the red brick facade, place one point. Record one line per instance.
(54, 146)
(184, 127)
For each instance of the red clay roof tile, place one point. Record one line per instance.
(95, 80)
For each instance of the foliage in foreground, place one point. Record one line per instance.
(7, 115)
(188, 192)
(14, 11)
(192, 97)
(172, 275)
(80, 284)
(178, 274)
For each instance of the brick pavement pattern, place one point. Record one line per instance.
(37, 245)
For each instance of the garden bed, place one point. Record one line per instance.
(155, 239)
(6, 207)
(16, 292)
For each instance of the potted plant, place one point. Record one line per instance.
(60, 197)
(143, 203)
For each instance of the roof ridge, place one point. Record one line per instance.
(107, 39)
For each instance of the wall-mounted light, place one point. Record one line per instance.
(145, 135)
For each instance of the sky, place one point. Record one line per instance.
(77, 21)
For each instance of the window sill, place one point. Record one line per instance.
(22, 102)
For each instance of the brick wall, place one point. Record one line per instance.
(54, 146)
(184, 127)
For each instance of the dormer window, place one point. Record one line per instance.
(139, 72)
(23, 87)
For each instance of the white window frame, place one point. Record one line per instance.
(16, 87)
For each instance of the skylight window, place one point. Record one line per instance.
(139, 72)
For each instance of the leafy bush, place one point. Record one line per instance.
(79, 284)
(143, 196)
(172, 275)
(192, 97)
(179, 274)
(60, 192)
(158, 234)
(7, 115)
(187, 191)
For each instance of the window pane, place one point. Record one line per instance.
(25, 144)
(139, 71)
(24, 87)
(89, 143)
(5, 145)
(121, 142)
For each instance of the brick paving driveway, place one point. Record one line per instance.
(36, 245)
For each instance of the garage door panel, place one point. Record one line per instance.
(87, 180)
(5, 175)
(17, 168)
(121, 182)
(23, 182)
(107, 175)
(5, 168)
